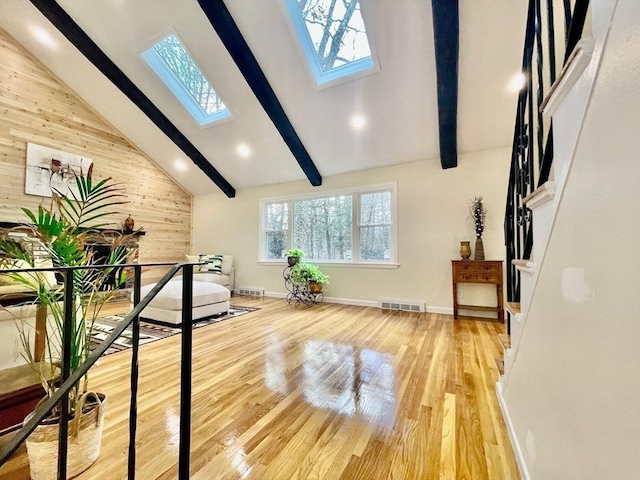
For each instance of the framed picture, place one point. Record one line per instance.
(50, 170)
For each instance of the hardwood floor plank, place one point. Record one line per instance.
(328, 392)
(448, 449)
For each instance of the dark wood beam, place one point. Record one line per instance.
(226, 28)
(446, 39)
(72, 31)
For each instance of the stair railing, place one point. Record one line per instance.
(532, 150)
(68, 381)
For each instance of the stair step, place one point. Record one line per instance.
(541, 195)
(500, 365)
(524, 265)
(513, 308)
(505, 340)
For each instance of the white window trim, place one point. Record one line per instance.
(170, 80)
(355, 192)
(345, 73)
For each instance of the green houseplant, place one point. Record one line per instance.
(309, 274)
(62, 231)
(294, 256)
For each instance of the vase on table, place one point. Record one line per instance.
(465, 250)
(479, 253)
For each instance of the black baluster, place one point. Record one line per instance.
(185, 373)
(67, 331)
(133, 407)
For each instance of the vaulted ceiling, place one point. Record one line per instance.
(399, 100)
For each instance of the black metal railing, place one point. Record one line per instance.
(69, 380)
(532, 152)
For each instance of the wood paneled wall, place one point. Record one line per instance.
(37, 107)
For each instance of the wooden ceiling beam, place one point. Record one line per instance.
(446, 39)
(226, 28)
(72, 31)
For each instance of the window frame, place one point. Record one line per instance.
(350, 71)
(355, 193)
(170, 80)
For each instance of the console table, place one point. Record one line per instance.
(477, 271)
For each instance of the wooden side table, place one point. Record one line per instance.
(477, 271)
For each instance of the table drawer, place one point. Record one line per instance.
(465, 267)
(487, 277)
(488, 267)
(467, 277)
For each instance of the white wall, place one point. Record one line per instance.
(432, 220)
(573, 395)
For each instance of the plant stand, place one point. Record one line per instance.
(299, 293)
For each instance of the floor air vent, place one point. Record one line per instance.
(401, 304)
(251, 291)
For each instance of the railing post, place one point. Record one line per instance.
(185, 373)
(67, 331)
(133, 407)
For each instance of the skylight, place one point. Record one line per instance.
(170, 60)
(333, 36)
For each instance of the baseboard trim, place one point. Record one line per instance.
(363, 303)
(440, 310)
(343, 301)
(524, 473)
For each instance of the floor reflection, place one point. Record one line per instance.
(172, 424)
(348, 380)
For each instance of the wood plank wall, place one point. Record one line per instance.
(36, 107)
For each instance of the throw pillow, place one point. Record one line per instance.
(213, 264)
(192, 258)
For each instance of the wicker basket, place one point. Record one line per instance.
(85, 435)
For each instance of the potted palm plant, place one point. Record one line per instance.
(62, 231)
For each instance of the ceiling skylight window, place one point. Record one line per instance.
(333, 36)
(170, 60)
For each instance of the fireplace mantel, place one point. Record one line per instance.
(105, 231)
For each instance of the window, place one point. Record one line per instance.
(355, 226)
(332, 35)
(170, 60)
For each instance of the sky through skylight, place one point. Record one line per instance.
(174, 65)
(333, 36)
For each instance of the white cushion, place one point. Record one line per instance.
(48, 279)
(170, 297)
(175, 316)
(211, 278)
(227, 264)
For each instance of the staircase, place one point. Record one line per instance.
(530, 221)
(540, 163)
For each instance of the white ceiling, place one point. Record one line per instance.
(399, 101)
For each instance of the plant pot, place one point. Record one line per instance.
(292, 261)
(315, 287)
(85, 436)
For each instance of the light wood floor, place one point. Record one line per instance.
(328, 392)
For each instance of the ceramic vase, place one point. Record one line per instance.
(479, 253)
(465, 250)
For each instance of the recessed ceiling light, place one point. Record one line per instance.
(358, 122)
(180, 165)
(243, 150)
(517, 82)
(43, 37)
